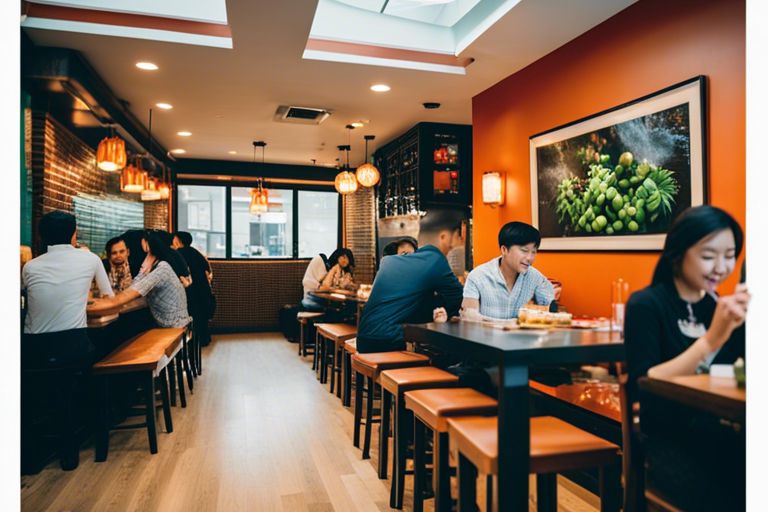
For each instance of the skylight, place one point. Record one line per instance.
(428, 35)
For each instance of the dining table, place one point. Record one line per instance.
(514, 352)
(340, 299)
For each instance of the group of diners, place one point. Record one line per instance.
(164, 268)
(676, 325)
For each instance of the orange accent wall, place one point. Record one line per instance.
(649, 46)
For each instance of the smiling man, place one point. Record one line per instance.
(500, 287)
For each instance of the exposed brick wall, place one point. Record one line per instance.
(251, 293)
(360, 232)
(156, 214)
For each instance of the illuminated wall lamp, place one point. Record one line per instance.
(493, 188)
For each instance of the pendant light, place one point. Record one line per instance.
(110, 154)
(151, 190)
(346, 182)
(259, 195)
(132, 179)
(367, 173)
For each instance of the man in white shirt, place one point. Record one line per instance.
(313, 277)
(57, 284)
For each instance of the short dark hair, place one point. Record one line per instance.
(687, 229)
(57, 228)
(165, 236)
(112, 242)
(441, 219)
(391, 248)
(184, 237)
(518, 233)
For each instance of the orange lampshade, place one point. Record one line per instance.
(132, 179)
(165, 190)
(110, 155)
(151, 193)
(367, 174)
(345, 183)
(259, 200)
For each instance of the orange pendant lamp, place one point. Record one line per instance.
(110, 155)
(152, 192)
(346, 182)
(132, 179)
(259, 195)
(367, 173)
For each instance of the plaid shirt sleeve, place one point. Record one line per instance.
(471, 290)
(544, 293)
(143, 283)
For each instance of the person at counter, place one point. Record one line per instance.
(499, 288)
(57, 284)
(175, 260)
(341, 273)
(200, 301)
(313, 277)
(157, 282)
(404, 288)
(116, 264)
(406, 245)
(679, 325)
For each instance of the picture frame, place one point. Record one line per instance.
(659, 138)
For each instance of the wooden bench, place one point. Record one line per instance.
(147, 354)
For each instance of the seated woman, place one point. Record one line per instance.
(340, 276)
(157, 282)
(679, 324)
(313, 278)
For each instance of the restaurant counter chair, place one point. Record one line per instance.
(556, 446)
(431, 409)
(330, 341)
(367, 369)
(394, 384)
(307, 321)
(350, 347)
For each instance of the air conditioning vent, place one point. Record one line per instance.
(301, 115)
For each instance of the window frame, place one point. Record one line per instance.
(238, 183)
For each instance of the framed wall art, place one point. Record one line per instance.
(614, 181)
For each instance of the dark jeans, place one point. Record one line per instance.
(70, 348)
(309, 304)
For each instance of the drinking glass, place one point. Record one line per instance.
(619, 295)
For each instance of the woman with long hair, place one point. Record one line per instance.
(679, 324)
(157, 282)
(341, 273)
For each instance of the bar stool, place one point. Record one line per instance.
(431, 409)
(350, 347)
(394, 383)
(556, 446)
(334, 334)
(368, 367)
(306, 321)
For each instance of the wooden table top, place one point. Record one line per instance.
(107, 318)
(147, 351)
(718, 395)
(338, 296)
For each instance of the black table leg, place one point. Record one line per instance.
(172, 382)
(149, 396)
(386, 403)
(180, 379)
(546, 492)
(514, 438)
(358, 409)
(467, 474)
(163, 382)
(102, 431)
(442, 473)
(418, 465)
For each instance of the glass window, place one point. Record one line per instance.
(318, 223)
(202, 212)
(266, 235)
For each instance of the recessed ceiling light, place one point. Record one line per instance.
(184, 134)
(232, 152)
(164, 106)
(147, 66)
(358, 124)
(178, 151)
(380, 88)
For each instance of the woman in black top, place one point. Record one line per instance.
(679, 323)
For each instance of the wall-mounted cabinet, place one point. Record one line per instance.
(429, 165)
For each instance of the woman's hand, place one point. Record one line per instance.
(185, 281)
(730, 314)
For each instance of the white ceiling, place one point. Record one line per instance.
(227, 98)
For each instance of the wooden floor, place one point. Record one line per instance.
(259, 433)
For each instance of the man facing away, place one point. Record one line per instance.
(57, 283)
(500, 287)
(409, 287)
(199, 296)
(116, 264)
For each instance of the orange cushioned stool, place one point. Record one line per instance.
(394, 383)
(556, 446)
(306, 321)
(330, 338)
(369, 367)
(431, 409)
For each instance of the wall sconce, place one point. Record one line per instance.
(493, 188)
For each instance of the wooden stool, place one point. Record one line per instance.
(368, 367)
(432, 408)
(394, 383)
(350, 347)
(336, 334)
(306, 320)
(556, 446)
